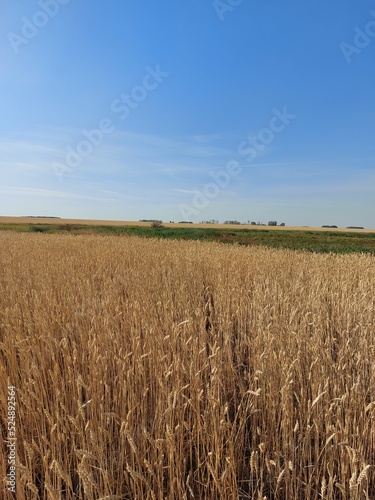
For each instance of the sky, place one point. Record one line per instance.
(188, 110)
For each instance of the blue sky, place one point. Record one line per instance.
(171, 110)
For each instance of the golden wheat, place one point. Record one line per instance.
(150, 369)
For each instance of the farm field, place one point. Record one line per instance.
(92, 222)
(313, 239)
(165, 369)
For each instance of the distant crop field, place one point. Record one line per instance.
(319, 240)
(91, 222)
(153, 369)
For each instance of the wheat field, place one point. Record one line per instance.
(149, 369)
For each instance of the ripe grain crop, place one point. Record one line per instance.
(150, 369)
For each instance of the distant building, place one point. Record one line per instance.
(272, 223)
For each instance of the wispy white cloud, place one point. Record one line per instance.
(310, 162)
(20, 167)
(120, 195)
(207, 139)
(25, 147)
(185, 191)
(49, 193)
(356, 184)
(191, 146)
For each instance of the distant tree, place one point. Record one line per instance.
(156, 224)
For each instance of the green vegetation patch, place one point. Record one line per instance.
(314, 241)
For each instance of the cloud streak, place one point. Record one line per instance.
(49, 193)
